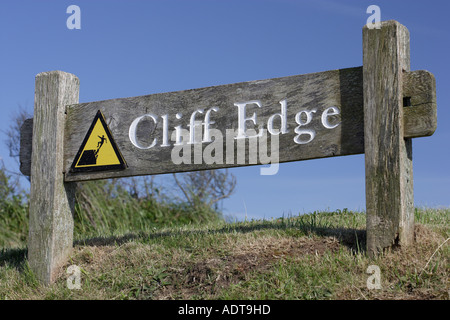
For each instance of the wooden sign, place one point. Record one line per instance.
(375, 109)
(313, 116)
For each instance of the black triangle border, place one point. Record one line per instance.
(121, 166)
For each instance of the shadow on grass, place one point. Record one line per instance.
(14, 258)
(354, 239)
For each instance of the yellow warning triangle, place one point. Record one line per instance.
(98, 152)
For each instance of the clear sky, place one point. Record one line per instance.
(135, 47)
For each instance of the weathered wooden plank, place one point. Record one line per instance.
(26, 137)
(51, 200)
(419, 91)
(388, 155)
(311, 93)
(419, 118)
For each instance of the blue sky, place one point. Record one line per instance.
(136, 47)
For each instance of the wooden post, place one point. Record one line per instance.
(51, 200)
(388, 155)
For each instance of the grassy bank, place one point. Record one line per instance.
(314, 256)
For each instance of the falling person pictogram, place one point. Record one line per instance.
(89, 157)
(98, 151)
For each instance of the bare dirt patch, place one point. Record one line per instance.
(258, 255)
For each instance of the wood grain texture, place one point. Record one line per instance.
(51, 200)
(419, 119)
(26, 138)
(319, 91)
(388, 155)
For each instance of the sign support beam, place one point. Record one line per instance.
(52, 200)
(388, 155)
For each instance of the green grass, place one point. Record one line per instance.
(314, 256)
(102, 207)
